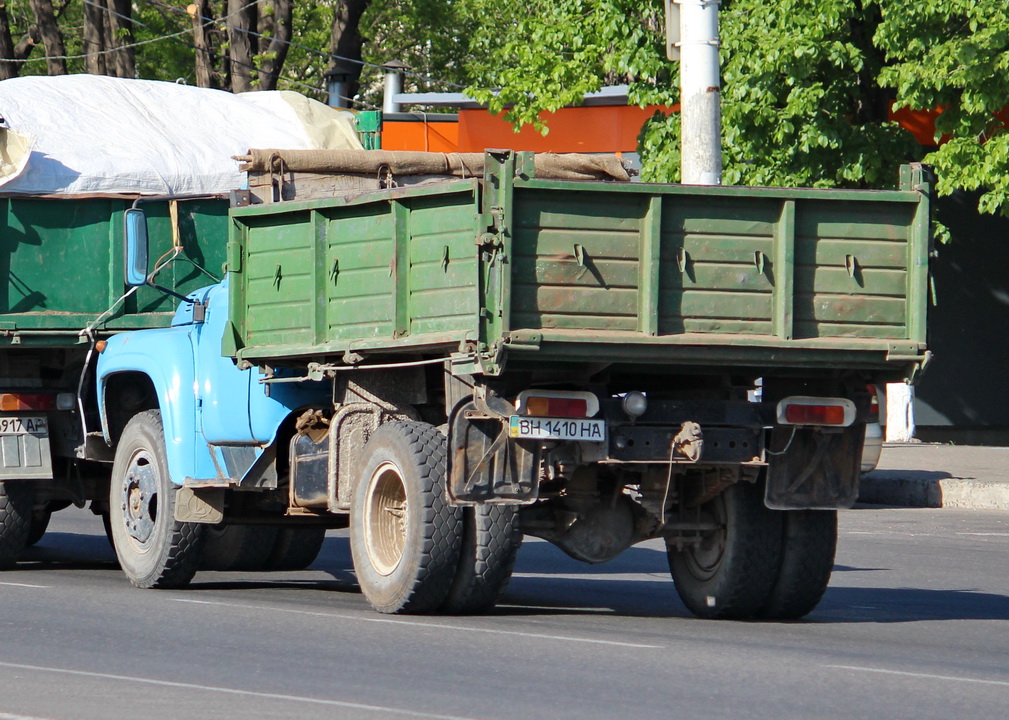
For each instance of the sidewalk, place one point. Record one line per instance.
(932, 475)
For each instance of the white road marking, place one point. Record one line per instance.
(429, 625)
(27, 585)
(7, 716)
(925, 676)
(985, 534)
(233, 691)
(610, 577)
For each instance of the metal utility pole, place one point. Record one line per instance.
(692, 38)
(393, 85)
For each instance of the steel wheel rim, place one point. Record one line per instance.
(385, 518)
(139, 499)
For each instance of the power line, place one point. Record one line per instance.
(211, 21)
(320, 53)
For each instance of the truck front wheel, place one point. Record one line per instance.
(404, 536)
(154, 550)
(15, 521)
(731, 572)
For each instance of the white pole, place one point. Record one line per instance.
(393, 85)
(700, 93)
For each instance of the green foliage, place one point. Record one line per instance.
(545, 54)
(954, 55)
(807, 84)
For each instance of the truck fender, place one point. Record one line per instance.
(165, 358)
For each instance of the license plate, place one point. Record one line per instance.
(541, 428)
(24, 426)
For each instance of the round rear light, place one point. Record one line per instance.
(635, 404)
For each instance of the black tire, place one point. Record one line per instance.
(490, 543)
(404, 536)
(729, 575)
(154, 550)
(107, 524)
(809, 542)
(295, 548)
(38, 525)
(16, 500)
(237, 547)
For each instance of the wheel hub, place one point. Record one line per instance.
(386, 519)
(140, 498)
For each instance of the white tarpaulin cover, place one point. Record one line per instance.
(91, 134)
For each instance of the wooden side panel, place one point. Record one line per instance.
(716, 275)
(851, 278)
(576, 261)
(360, 269)
(443, 265)
(749, 263)
(327, 274)
(280, 273)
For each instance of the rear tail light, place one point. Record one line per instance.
(557, 403)
(835, 412)
(12, 402)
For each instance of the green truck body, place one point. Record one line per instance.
(513, 270)
(63, 260)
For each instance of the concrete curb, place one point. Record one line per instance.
(929, 475)
(903, 489)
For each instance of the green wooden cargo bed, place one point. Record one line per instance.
(511, 268)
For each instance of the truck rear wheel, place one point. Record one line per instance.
(154, 550)
(404, 536)
(490, 543)
(295, 548)
(237, 547)
(15, 521)
(731, 572)
(809, 542)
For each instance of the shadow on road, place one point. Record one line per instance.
(547, 582)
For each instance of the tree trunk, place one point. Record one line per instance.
(94, 39)
(8, 69)
(345, 40)
(276, 25)
(52, 40)
(242, 19)
(202, 38)
(120, 34)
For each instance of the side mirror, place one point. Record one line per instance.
(136, 247)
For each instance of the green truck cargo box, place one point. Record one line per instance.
(63, 260)
(510, 268)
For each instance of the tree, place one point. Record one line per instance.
(953, 55)
(52, 38)
(807, 84)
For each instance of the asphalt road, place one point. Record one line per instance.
(914, 625)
